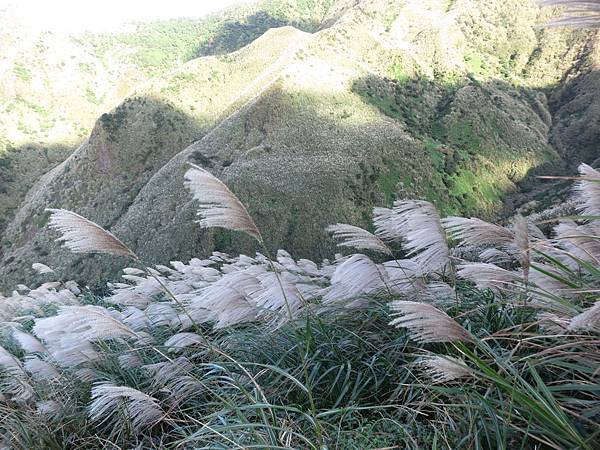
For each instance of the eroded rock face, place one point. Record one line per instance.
(312, 129)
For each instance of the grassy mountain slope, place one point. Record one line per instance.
(54, 86)
(439, 100)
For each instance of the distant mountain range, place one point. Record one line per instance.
(313, 111)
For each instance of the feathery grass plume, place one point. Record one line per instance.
(352, 280)
(41, 268)
(14, 381)
(548, 278)
(417, 224)
(227, 301)
(40, 370)
(130, 360)
(162, 314)
(180, 341)
(8, 360)
(164, 371)
(136, 319)
(579, 241)
(577, 13)
(489, 276)
(70, 334)
(278, 300)
(437, 293)
(443, 369)
(81, 235)
(495, 256)
(48, 409)
(401, 274)
(107, 399)
(425, 323)
(476, 232)
(587, 188)
(587, 320)
(356, 237)
(27, 342)
(219, 207)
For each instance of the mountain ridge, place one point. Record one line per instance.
(365, 109)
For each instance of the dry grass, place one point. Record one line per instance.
(270, 352)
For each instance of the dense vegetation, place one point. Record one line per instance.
(443, 331)
(491, 342)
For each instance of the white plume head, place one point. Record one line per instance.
(587, 189)
(352, 280)
(426, 323)
(587, 320)
(522, 244)
(81, 235)
(358, 238)
(476, 232)
(41, 268)
(108, 399)
(219, 207)
(443, 369)
(490, 276)
(417, 224)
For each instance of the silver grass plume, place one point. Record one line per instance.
(426, 323)
(495, 256)
(165, 371)
(549, 284)
(505, 243)
(278, 299)
(14, 381)
(142, 409)
(130, 360)
(489, 276)
(81, 235)
(587, 188)
(176, 378)
(577, 13)
(356, 237)
(40, 370)
(70, 334)
(183, 340)
(436, 293)
(48, 409)
(443, 369)
(41, 268)
(587, 320)
(27, 342)
(352, 280)
(579, 240)
(417, 224)
(219, 207)
(227, 301)
(477, 232)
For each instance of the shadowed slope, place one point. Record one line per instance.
(315, 129)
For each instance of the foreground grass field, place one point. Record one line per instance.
(480, 336)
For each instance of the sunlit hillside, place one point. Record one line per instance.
(301, 224)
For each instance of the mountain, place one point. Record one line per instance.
(315, 111)
(53, 86)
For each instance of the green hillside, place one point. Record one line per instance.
(347, 106)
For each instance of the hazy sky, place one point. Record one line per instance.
(103, 15)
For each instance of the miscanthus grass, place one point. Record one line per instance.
(475, 335)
